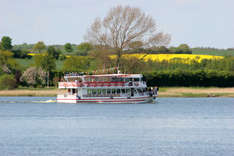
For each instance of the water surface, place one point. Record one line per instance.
(173, 126)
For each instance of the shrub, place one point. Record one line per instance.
(34, 76)
(190, 78)
(7, 82)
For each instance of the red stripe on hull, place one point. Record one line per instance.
(113, 101)
(106, 100)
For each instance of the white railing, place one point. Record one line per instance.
(100, 84)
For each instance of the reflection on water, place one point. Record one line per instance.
(172, 126)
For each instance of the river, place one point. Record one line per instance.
(34, 126)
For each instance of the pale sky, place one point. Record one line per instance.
(207, 23)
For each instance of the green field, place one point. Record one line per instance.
(25, 63)
(213, 52)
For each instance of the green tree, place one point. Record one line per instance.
(100, 59)
(53, 52)
(132, 65)
(47, 63)
(7, 63)
(21, 50)
(7, 82)
(39, 46)
(6, 43)
(5, 56)
(68, 47)
(84, 48)
(172, 49)
(160, 49)
(76, 64)
(183, 48)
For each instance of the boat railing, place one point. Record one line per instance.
(103, 95)
(103, 84)
(69, 84)
(76, 84)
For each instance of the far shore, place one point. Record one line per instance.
(195, 92)
(163, 92)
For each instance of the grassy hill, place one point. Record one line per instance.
(211, 51)
(25, 63)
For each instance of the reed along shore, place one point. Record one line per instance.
(196, 92)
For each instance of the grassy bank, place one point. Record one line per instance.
(51, 92)
(163, 92)
(196, 92)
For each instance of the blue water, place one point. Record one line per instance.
(30, 126)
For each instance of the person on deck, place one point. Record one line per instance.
(156, 90)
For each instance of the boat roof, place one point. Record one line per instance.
(104, 75)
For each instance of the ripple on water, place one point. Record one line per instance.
(172, 126)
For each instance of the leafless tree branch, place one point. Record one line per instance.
(124, 25)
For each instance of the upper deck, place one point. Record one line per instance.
(103, 81)
(74, 75)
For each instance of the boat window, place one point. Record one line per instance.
(89, 92)
(99, 91)
(128, 91)
(113, 91)
(94, 92)
(108, 91)
(102, 79)
(92, 79)
(107, 79)
(127, 80)
(115, 79)
(135, 91)
(74, 91)
(136, 79)
(103, 91)
(96, 79)
(123, 91)
(139, 90)
(119, 79)
(118, 91)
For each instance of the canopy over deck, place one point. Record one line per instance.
(103, 75)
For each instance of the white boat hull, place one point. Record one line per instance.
(106, 88)
(132, 100)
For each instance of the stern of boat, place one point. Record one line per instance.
(66, 98)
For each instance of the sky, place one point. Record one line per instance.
(198, 23)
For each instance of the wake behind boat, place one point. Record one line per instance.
(105, 88)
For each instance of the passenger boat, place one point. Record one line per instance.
(105, 88)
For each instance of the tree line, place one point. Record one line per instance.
(43, 72)
(124, 30)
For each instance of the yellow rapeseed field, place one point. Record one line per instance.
(35, 54)
(185, 58)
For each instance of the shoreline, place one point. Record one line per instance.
(196, 92)
(163, 92)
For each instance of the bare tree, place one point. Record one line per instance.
(124, 25)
